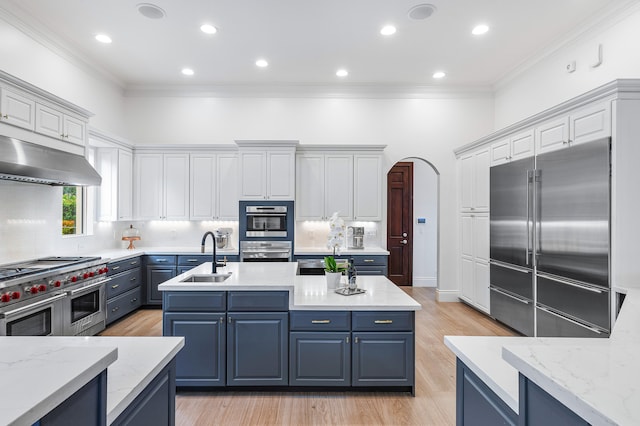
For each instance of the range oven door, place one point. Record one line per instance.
(34, 318)
(266, 221)
(86, 308)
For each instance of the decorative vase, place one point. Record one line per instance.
(333, 279)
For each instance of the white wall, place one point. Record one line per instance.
(547, 83)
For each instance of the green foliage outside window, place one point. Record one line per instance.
(69, 210)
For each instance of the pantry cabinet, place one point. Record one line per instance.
(474, 260)
(161, 188)
(267, 174)
(213, 188)
(474, 180)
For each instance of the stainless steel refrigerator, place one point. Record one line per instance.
(550, 240)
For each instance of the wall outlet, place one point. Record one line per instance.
(571, 66)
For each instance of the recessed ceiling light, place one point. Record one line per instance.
(262, 63)
(208, 29)
(439, 74)
(388, 30)
(187, 71)
(421, 11)
(103, 38)
(150, 11)
(480, 29)
(342, 73)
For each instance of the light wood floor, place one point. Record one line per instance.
(434, 403)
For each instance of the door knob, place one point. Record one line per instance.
(404, 241)
(404, 234)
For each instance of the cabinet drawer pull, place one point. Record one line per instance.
(115, 268)
(134, 300)
(320, 321)
(383, 322)
(115, 286)
(135, 262)
(221, 320)
(368, 260)
(355, 340)
(192, 260)
(161, 260)
(229, 320)
(133, 279)
(115, 309)
(347, 338)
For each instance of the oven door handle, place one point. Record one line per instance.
(33, 306)
(89, 287)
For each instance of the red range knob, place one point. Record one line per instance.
(5, 298)
(100, 271)
(42, 287)
(33, 290)
(74, 279)
(57, 284)
(86, 275)
(106, 269)
(15, 295)
(92, 274)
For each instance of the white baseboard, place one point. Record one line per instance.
(447, 295)
(425, 282)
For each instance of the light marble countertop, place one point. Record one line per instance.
(121, 254)
(68, 363)
(596, 378)
(307, 292)
(323, 251)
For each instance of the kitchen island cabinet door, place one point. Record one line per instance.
(383, 359)
(156, 275)
(257, 349)
(201, 362)
(320, 359)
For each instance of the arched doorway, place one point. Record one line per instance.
(416, 217)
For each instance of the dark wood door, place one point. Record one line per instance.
(400, 223)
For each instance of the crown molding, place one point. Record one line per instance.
(340, 148)
(103, 138)
(186, 148)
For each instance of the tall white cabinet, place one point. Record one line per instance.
(213, 186)
(115, 200)
(161, 190)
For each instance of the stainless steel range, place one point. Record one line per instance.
(53, 296)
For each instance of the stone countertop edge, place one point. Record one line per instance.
(305, 292)
(592, 377)
(26, 399)
(323, 251)
(114, 255)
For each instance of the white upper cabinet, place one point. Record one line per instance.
(512, 148)
(115, 201)
(59, 125)
(367, 188)
(214, 189)
(161, 186)
(17, 109)
(267, 170)
(583, 125)
(474, 177)
(324, 185)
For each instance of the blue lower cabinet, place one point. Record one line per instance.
(257, 348)
(383, 359)
(202, 360)
(537, 407)
(87, 406)
(320, 358)
(155, 405)
(476, 404)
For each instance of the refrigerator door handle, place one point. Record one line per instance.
(537, 210)
(508, 266)
(528, 202)
(567, 282)
(550, 312)
(517, 299)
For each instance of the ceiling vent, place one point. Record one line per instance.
(151, 11)
(421, 11)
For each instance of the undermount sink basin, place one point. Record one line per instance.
(206, 278)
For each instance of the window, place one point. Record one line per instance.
(72, 208)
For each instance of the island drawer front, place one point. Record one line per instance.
(258, 301)
(194, 259)
(123, 265)
(194, 301)
(123, 304)
(382, 321)
(370, 260)
(320, 320)
(123, 282)
(160, 259)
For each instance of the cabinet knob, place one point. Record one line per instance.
(5, 116)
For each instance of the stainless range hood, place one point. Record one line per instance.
(27, 162)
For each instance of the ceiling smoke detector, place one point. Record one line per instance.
(421, 11)
(151, 11)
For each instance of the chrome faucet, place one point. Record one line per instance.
(214, 264)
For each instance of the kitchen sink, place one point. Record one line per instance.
(206, 278)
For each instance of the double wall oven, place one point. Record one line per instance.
(53, 296)
(266, 231)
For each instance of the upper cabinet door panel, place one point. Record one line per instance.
(367, 187)
(522, 145)
(17, 110)
(591, 123)
(481, 181)
(552, 135)
(148, 187)
(49, 122)
(125, 185)
(176, 186)
(338, 185)
(466, 182)
(500, 152)
(310, 187)
(202, 172)
(281, 175)
(253, 175)
(227, 187)
(74, 130)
